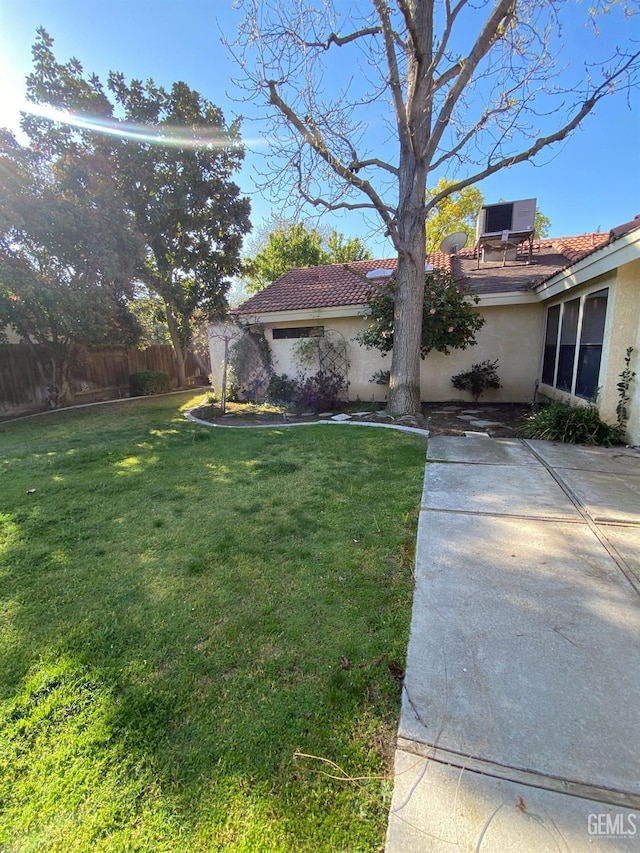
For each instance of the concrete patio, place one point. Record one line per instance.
(520, 724)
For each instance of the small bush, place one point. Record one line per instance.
(570, 424)
(321, 391)
(481, 376)
(318, 392)
(149, 382)
(282, 390)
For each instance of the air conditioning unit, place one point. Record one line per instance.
(502, 227)
(518, 216)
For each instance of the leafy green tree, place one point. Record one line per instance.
(67, 259)
(149, 311)
(293, 244)
(342, 250)
(455, 212)
(449, 320)
(543, 224)
(285, 249)
(172, 156)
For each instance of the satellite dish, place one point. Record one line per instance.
(453, 243)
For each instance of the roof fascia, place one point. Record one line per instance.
(305, 314)
(622, 251)
(506, 297)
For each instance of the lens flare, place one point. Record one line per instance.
(173, 136)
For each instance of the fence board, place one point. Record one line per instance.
(103, 374)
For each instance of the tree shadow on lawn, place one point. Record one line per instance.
(161, 674)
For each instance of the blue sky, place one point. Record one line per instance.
(591, 181)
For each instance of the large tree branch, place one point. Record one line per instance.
(312, 137)
(395, 83)
(334, 38)
(482, 46)
(543, 142)
(468, 136)
(356, 165)
(450, 73)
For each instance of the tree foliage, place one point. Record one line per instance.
(294, 244)
(455, 212)
(67, 258)
(172, 156)
(471, 89)
(449, 320)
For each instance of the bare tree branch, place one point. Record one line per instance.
(394, 74)
(483, 44)
(314, 139)
(339, 41)
(543, 142)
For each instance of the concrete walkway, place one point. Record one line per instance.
(520, 724)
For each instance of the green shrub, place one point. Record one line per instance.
(147, 382)
(481, 376)
(558, 421)
(282, 390)
(319, 392)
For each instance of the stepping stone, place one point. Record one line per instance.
(359, 414)
(484, 424)
(341, 417)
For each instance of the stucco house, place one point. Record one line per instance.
(559, 320)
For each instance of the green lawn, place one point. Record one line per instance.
(175, 602)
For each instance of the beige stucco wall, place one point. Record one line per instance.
(512, 334)
(623, 331)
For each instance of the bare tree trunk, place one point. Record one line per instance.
(177, 346)
(404, 383)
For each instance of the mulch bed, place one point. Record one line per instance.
(440, 418)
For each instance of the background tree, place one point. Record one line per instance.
(172, 156)
(543, 224)
(292, 245)
(472, 89)
(342, 250)
(286, 248)
(68, 257)
(455, 212)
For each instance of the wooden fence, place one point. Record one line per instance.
(102, 375)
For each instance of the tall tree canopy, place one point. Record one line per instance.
(466, 89)
(293, 244)
(172, 156)
(68, 255)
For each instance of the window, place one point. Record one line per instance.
(298, 332)
(593, 317)
(573, 344)
(550, 345)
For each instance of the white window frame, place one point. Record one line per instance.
(578, 343)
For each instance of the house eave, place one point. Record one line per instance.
(604, 260)
(506, 297)
(304, 314)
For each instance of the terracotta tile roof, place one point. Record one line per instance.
(323, 287)
(346, 284)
